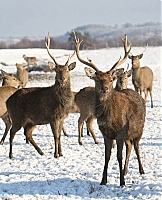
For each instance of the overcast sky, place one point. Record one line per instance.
(34, 18)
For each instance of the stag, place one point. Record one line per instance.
(85, 101)
(142, 77)
(22, 74)
(9, 84)
(120, 114)
(29, 107)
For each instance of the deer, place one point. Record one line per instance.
(22, 74)
(142, 77)
(30, 60)
(29, 107)
(122, 79)
(120, 114)
(9, 79)
(85, 101)
(10, 85)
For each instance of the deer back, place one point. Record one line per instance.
(85, 101)
(47, 102)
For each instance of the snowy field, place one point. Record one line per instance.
(78, 173)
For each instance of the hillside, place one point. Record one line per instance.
(142, 31)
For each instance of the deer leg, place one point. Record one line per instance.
(120, 143)
(108, 146)
(150, 91)
(87, 129)
(13, 131)
(89, 126)
(7, 122)
(128, 144)
(64, 131)
(80, 129)
(136, 147)
(28, 129)
(56, 129)
(59, 145)
(146, 93)
(136, 88)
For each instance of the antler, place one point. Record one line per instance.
(145, 48)
(77, 45)
(69, 58)
(127, 50)
(47, 43)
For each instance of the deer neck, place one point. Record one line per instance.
(103, 103)
(63, 93)
(136, 72)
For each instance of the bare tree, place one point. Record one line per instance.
(120, 115)
(142, 77)
(29, 107)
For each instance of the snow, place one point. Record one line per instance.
(77, 174)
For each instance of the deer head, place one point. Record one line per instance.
(103, 80)
(62, 71)
(136, 59)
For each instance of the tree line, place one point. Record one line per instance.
(88, 42)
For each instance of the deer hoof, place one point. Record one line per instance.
(10, 155)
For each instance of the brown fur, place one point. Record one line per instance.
(22, 74)
(122, 80)
(29, 107)
(142, 77)
(85, 101)
(120, 116)
(8, 80)
(30, 60)
(117, 112)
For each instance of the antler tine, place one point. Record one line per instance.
(127, 50)
(77, 45)
(47, 43)
(69, 58)
(127, 67)
(145, 48)
(125, 42)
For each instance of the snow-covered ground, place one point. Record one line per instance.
(78, 173)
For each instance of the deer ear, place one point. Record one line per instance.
(89, 72)
(51, 65)
(72, 66)
(140, 56)
(4, 74)
(129, 73)
(130, 56)
(117, 73)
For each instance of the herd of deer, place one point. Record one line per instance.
(120, 112)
